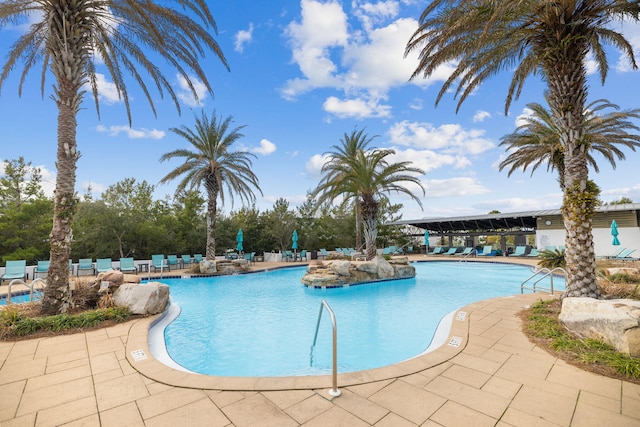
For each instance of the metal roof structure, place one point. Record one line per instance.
(497, 221)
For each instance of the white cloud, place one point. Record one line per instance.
(416, 104)
(454, 187)
(185, 94)
(521, 120)
(481, 116)
(131, 133)
(358, 108)
(243, 37)
(314, 165)
(96, 188)
(631, 31)
(450, 139)
(429, 160)
(266, 147)
(107, 90)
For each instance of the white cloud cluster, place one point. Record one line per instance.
(447, 138)
(130, 132)
(631, 31)
(363, 64)
(107, 91)
(481, 116)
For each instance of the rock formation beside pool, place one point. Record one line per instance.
(327, 274)
(615, 322)
(224, 266)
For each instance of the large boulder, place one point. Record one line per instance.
(615, 322)
(208, 266)
(149, 298)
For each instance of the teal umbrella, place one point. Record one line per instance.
(614, 233)
(426, 237)
(239, 238)
(294, 239)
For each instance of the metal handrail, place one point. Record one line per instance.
(467, 256)
(334, 391)
(28, 285)
(543, 272)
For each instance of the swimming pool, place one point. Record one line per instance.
(262, 324)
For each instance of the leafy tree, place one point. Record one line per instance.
(367, 177)
(190, 224)
(279, 225)
(550, 39)
(72, 39)
(623, 200)
(212, 163)
(21, 182)
(24, 231)
(537, 141)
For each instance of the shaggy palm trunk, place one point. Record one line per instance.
(212, 211)
(369, 210)
(358, 227)
(566, 78)
(66, 43)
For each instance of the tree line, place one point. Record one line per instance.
(126, 221)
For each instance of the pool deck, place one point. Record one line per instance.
(488, 374)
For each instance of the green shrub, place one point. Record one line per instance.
(552, 259)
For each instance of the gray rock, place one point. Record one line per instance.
(149, 298)
(341, 268)
(208, 266)
(615, 322)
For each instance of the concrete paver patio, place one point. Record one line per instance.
(495, 377)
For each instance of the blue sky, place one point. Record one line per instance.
(304, 73)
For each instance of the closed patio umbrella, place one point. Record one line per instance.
(614, 233)
(294, 239)
(426, 240)
(239, 238)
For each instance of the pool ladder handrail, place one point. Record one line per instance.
(467, 256)
(545, 272)
(28, 285)
(324, 305)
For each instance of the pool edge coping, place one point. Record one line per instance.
(141, 359)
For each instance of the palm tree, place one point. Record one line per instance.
(367, 177)
(351, 144)
(212, 163)
(72, 39)
(537, 141)
(482, 38)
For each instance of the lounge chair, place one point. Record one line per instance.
(624, 255)
(128, 266)
(613, 255)
(466, 252)
(103, 265)
(85, 264)
(287, 256)
(533, 253)
(323, 253)
(551, 248)
(185, 259)
(197, 258)
(41, 268)
(487, 251)
(520, 251)
(451, 251)
(158, 262)
(438, 250)
(16, 269)
(173, 261)
(302, 254)
(250, 257)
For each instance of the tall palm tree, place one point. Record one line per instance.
(72, 39)
(537, 141)
(482, 38)
(351, 144)
(367, 177)
(212, 163)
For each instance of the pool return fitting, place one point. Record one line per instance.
(334, 391)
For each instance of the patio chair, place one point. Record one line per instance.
(85, 264)
(520, 251)
(103, 265)
(158, 262)
(301, 254)
(487, 251)
(451, 251)
(466, 252)
(128, 266)
(438, 250)
(16, 269)
(534, 253)
(185, 259)
(173, 261)
(197, 258)
(624, 255)
(323, 253)
(287, 256)
(41, 268)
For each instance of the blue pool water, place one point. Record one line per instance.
(20, 298)
(263, 324)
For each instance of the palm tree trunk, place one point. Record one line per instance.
(358, 227)
(57, 295)
(369, 210)
(212, 212)
(566, 77)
